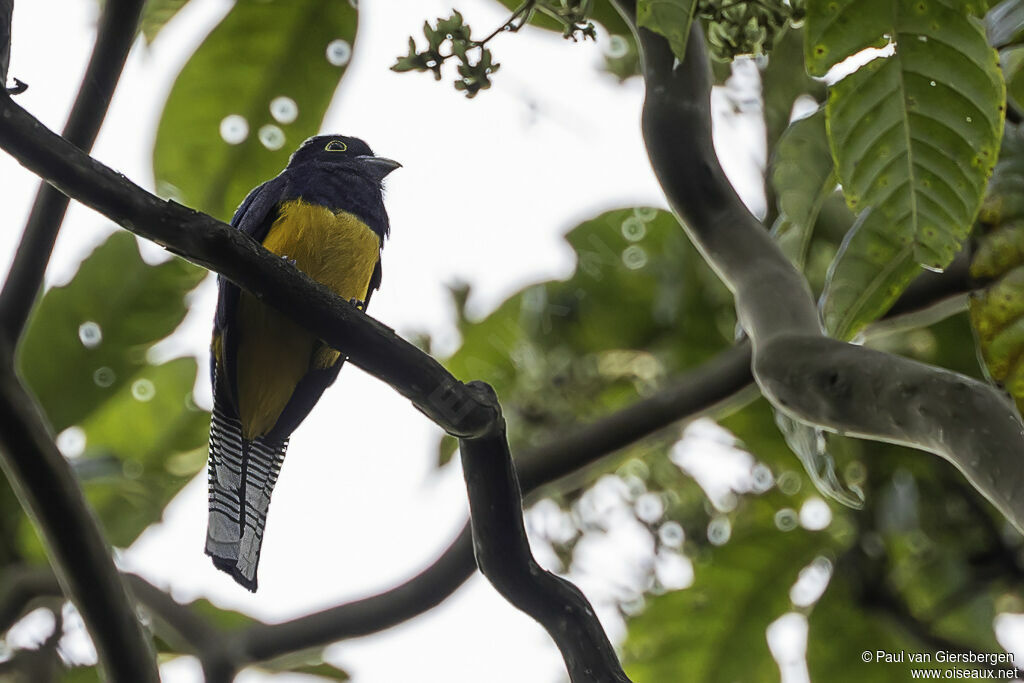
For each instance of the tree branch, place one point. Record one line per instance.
(116, 33)
(460, 410)
(47, 489)
(371, 346)
(217, 246)
(6, 16)
(362, 617)
(503, 554)
(817, 380)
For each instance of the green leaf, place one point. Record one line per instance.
(714, 631)
(308, 662)
(669, 18)
(447, 445)
(841, 630)
(130, 305)
(870, 271)
(803, 177)
(914, 135)
(997, 312)
(84, 357)
(260, 52)
(155, 16)
(784, 79)
(603, 12)
(323, 670)
(149, 440)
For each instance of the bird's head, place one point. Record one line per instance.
(343, 153)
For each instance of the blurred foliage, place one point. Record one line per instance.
(739, 589)
(641, 306)
(254, 90)
(926, 565)
(136, 435)
(997, 312)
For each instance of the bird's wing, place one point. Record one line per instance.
(241, 473)
(254, 217)
(313, 384)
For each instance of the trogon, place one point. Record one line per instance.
(324, 213)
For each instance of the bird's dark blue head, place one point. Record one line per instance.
(345, 154)
(342, 173)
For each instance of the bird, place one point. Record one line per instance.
(325, 214)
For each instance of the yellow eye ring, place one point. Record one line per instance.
(336, 146)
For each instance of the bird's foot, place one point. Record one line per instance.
(358, 304)
(289, 260)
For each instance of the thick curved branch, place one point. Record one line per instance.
(81, 557)
(36, 469)
(819, 381)
(459, 409)
(217, 246)
(503, 554)
(117, 29)
(371, 345)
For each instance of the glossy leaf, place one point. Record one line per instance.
(803, 177)
(670, 18)
(271, 66)
(602, 12)
(872, 268)
(914, 135)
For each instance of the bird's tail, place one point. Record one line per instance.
(242, 474)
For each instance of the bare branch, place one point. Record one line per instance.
(362, 617)
(117, 30)
(81, 557)
(503, 554)
(819, 381)
(460, 409)
(6, 15)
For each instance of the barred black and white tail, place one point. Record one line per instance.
(242, 475)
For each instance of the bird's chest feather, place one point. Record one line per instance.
(336, 249)
(274, 353)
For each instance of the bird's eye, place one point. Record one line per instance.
(336, 146)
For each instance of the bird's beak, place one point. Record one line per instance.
(379, 167)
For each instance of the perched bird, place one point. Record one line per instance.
(324, 213)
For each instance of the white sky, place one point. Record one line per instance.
(552, 143)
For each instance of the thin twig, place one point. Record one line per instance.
(117, 29)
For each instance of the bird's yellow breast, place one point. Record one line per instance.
(335, 248)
